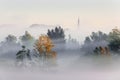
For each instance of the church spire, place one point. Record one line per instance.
(78, 23)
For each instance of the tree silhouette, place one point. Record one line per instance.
(27, 39)
(114, 40)
(57, 33)
(10, 44)
(87, 40)
(11, 38)
(96, 39)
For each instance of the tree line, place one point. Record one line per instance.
(100, 39)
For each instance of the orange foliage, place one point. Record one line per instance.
(45, 45)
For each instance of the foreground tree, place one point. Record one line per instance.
(44, 46)
(23, 54)
(22, 57)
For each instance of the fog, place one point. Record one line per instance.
(70, 68)
(69, 65)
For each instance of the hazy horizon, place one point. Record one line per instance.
(93, 13)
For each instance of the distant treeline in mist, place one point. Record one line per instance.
(12, 44)
(100, 39)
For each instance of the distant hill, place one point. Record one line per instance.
(40, 26)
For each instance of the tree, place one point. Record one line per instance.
(27, 39)
(96, 39)
(23, 54)
(98, 36)
(114, 40)
(11, 39)
(57, 33)
(44, 46)
(9, 45)
(94, 36)
(87, 40)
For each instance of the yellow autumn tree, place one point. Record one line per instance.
(45, 45)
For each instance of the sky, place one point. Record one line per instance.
(93, 13)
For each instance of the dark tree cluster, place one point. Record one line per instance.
(96, 39)
(57, 36)
(96, 36)
(114, 40)
(57, 33)
(22, 54)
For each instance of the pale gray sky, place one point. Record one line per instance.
(63, 12)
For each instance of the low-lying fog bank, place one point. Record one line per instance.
(68, 67)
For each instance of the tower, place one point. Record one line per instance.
(78, 23)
